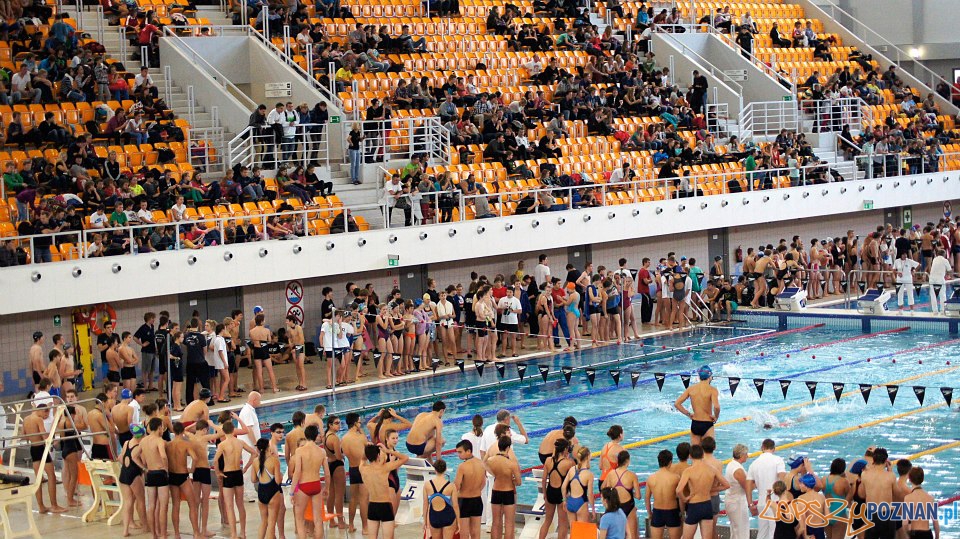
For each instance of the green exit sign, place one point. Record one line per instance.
(868, 204)
(393, 261)
(334, 119)
(56, 320)
(788, 98)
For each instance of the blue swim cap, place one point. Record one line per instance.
(797, 461)
(705, 372)
(808, 480)
(126, 394)
(858, 467)
(137, 430)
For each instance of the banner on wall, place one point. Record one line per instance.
(293, 293)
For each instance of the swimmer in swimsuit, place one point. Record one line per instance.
(705, 400)
(338, 480)
(308, 461)
(625, 482)
(580, 478)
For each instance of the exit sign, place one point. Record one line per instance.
(393, 261)
(334, 119)
(56, 320)
(868, 204)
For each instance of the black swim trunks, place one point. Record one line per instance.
(665, 518)
(700, 428)
(202, 476)
(697, 512)
(355, 477)
(503, 497)
(156, 478)
(113, 376)
(128, 373)
(380, 511)
(232, 479)
(177, 479)
(36, 453)
(470, 507)
(100, 452)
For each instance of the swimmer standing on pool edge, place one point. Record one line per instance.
(705, 401)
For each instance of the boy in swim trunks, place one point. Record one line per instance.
(702, 479)
(376, 476)
(156, 482)
(307, 486)
(35, 432)
(353, 446)
(705, 400)
(665, 510)
(180, 484)
(231, 478)
(470, 480)
(426, 434)
(503, 498)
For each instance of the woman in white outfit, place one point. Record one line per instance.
(938, 281)
(737, 497)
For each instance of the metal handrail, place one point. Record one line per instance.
(760, 64)
(213, 72)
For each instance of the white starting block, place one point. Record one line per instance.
(951, 307)
(874, 302)
(533, 517)
(418, 471)
(791, 300)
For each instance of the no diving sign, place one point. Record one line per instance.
(294, 292)
(294, 297)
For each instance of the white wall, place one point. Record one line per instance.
(57, 287)
(666, 47)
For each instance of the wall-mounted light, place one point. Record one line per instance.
(916, 53)
(745, 201)
(929, 181)
(508, 227)
(423, 236)
(561, 220)
(611, 215)
(263, 252)
(896, 184)
(534, 223)
(861, 188)
(703, 205)
(452, 232)
(35, 276)
(481, 229)
(227, 256)
(392, 238)
(76, 272)
(361, 242)
(786, 196)
(681, 207)
(824, 193)
(193, 260)
(843, 190)
(879, 186)
(723, 204)
(586, 218)
(766, 198)
(297, 249)
(154, 264)
(659, 211)
(913, 182)
(330, 245)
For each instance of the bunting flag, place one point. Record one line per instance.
(920, 392)
(521, 370)
(659, 377)
(843, 284)
(804, 282)
(784, 386)
(734, 384)
(434, 364)
(758, 383)
(917, 287)
(936, 289)
(544, 371)
(862, 285)
(837, 390)
(881, 286)
(615, 374)
(416, 363)
(376, 359)
(896, 287)
(501, 368)
(479, 365)
(634, 376)
(823, 280)
(567, 372)
(396, 358)
(892, 393)
(865, 390)
(812, 387)
(947, 392)
(685, 378)
(591, 375)
(460, 364)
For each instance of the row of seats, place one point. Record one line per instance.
(495, 60)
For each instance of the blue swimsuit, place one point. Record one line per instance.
(574, 504)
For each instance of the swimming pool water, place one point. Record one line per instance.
(820, 354)
(921, 300)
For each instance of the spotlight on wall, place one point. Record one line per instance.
(392, 238)
(723, 204)
(766, 198)
(843, 190)
(193, 260)
(896, 184)
(561, 220)
(361, 242)
(824, 193)
(879, 186)
(534, 223)
(263, 252)
(586, 218)
(703, 205)
(452, 232)
(330, 245)
(745, 201)
(35, 276)
(861, 188)
(116, 268)
(913, 182)
(227, 256)
(481, 229)
(658, 211)
(508, 227)
(76, 272)
(611, 215)
(635, 212)
(297, 249)
(154, 264)
(786, 196)
(805, 194)
(423, 236)
(929, 181)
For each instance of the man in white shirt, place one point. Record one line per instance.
(903, 271)
(938, 279)
(98, 219)
(542, 272)
(510, 309)
(219, 344)
(763, 473)
(290, 122)
(135, 404)
(248, 419)
(21, 88)
(143, 83)
(391, 193)
(622, 174)
(178, 212)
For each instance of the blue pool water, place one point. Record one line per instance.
(644, 412)
(921, 300)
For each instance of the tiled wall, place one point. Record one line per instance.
(16, 336)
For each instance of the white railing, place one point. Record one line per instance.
(401, 138)
(262, 147)
(316, 219)
(763, 118)
(224, 83)
(786, 82)
(705, 64)
(831, 115)
(206, 150)
(885, 165)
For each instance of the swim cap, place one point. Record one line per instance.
(571, 286)
(37, 335)
(808, 480)
(257, 309)
(417, 302)
(426, 297)
(858, 467)
(797, 461)
(705, 372)
(205, 393)
(126, 394)
(137, 430)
